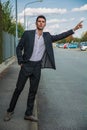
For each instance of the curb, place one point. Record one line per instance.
(7, 63)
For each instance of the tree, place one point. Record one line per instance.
(20, 30)
(12, 29)
(77, 39)
(7, 16)
(69, 39)
(62, 41)
(84, 37)
(9, 25)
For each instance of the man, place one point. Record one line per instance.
(34, 52)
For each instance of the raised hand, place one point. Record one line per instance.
(78, 26)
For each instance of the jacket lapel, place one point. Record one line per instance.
(32, 38)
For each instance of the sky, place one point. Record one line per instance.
(61, 15)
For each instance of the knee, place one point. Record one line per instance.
(18, 90)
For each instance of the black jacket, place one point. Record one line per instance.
(25, 47)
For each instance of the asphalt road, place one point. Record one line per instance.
(62, 94)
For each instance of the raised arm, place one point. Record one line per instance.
(67, 33)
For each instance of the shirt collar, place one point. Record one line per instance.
(37, 33)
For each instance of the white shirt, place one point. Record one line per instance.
(39, 48)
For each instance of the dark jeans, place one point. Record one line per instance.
(30, 70)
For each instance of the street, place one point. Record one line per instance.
(62, 94)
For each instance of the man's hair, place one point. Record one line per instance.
(40, 16)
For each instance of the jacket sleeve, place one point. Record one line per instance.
(19, 49)
(62, 35)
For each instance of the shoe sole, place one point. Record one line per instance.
(25, 118)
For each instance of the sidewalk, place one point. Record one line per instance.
(7, 63)
(8, 80)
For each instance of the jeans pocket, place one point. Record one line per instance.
(27, 69)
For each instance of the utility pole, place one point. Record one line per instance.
(1, 51)
(16, 22)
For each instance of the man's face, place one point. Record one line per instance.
(40, 24)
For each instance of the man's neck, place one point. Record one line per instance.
(40, 32)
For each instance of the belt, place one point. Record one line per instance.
(33, 63)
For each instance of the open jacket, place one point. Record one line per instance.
(26, 44)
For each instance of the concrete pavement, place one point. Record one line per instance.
(8, 80)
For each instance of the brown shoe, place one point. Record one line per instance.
(8, 116)
(31, 118)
